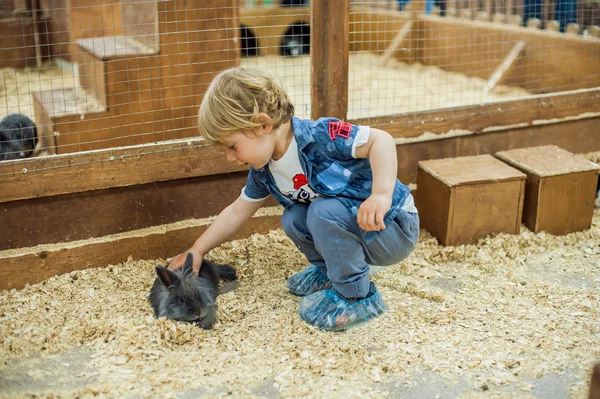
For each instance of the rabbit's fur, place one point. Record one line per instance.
(182, 295)
(18, 137)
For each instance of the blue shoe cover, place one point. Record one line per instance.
(329, 311)
(308, 281)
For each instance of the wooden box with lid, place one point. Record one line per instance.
(461, 200)
(560, 189)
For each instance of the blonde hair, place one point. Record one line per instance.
(236, 97)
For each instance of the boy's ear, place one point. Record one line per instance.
(265, 120)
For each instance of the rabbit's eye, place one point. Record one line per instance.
(181, 301)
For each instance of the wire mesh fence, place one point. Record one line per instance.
(106, 74)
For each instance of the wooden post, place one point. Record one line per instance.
(474, 6)
(329, 57)
(509, 9)
(451, 8)
(506, 64)
(36, 32)
(389, 52)
(547, 10)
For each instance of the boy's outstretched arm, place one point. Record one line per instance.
(381, 151)
(230, 220)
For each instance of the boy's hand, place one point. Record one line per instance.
(371, 212)
(178, 261)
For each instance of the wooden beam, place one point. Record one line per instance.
(504, 68)
(32, 265)
(577, 136)
(391, 49)
(117, 167)
(330, 43)
(38, 221)
(577, 104)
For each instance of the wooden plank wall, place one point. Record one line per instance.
(140, 21)
(17, 45)
(552, 61)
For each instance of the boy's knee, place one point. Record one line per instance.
(324, 211)
(293, 222)
(287, 222)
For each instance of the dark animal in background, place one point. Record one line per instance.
(296, 40)
(182, 295)
(18, 137)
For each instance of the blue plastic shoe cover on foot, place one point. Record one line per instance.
(308, 281)
(329, 311)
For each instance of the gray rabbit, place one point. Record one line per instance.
(18, 137)
(182, 295)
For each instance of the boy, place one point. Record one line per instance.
(344, 207)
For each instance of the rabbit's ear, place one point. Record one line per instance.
(165, 275)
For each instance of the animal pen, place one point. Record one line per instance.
(119, 180)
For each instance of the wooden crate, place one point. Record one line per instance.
(466, 198)
(560, 190)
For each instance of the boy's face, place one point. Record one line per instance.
(251, 148)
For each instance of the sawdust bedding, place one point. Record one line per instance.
(397, 87)
(496, 315)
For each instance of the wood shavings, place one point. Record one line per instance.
(374, 90)
(523, 307)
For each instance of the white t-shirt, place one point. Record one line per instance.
(291, 181)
